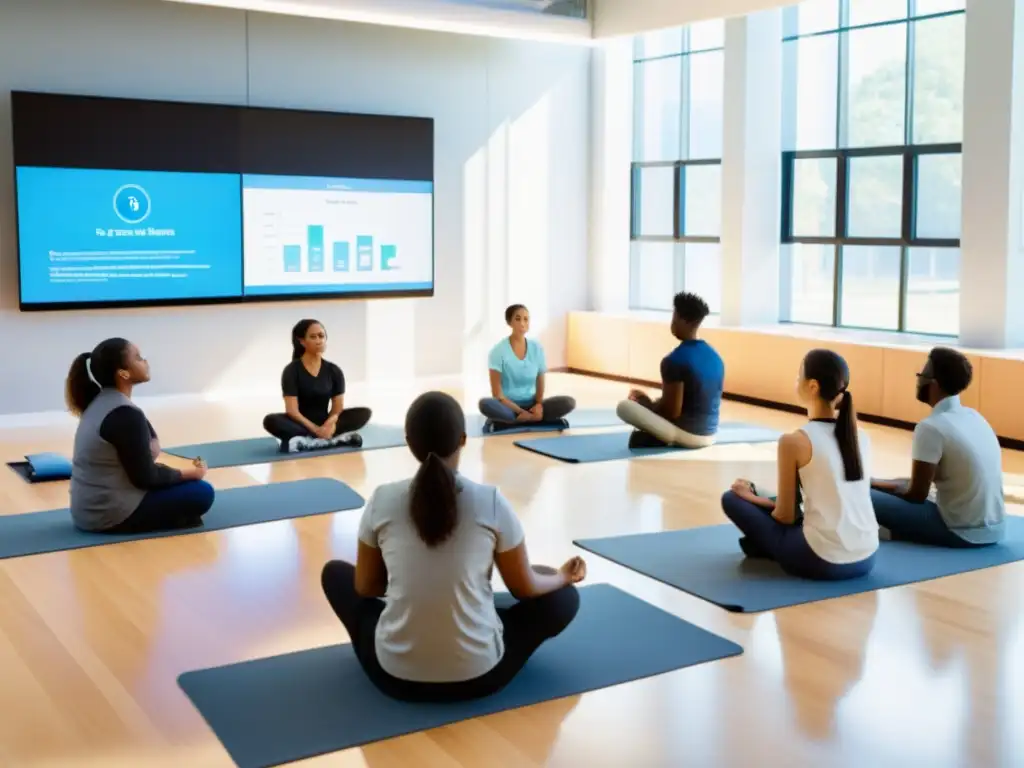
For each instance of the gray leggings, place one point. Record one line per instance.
(555, 408)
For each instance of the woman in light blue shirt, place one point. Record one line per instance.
(517, 367)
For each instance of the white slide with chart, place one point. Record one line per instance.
(324, 235)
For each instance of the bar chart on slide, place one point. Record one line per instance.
(292, 255)
(329, 235)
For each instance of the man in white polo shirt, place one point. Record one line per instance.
(957, 450)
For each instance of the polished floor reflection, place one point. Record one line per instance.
(92, 641)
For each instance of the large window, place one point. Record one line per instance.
(677, 166)
(873, 120)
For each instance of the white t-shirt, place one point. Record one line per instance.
(969, 470)
(439, 624)
(839, 519)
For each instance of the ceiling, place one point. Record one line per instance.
(530, 19)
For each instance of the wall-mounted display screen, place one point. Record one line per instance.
(127, 202)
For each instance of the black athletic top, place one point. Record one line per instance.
(129, 431)
(314, 393)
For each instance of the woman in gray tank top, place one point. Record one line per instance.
(116, 484)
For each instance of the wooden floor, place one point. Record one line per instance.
(92, 641)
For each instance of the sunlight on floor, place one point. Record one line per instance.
(912, 674)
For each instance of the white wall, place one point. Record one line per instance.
(511, 173)
(611, 162)
(992, 236)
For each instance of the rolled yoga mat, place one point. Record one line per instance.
(583, 418)
(291, 707)
(263, 450)
(610, 446)
(707, 563)
(38, 532)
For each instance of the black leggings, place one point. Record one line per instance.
(527, 624)
(284, 427)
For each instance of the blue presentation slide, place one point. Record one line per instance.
(115, 236)
(325, 235)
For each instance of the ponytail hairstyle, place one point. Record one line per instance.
(833, 376)
(92, 371)
(299, 332)
(435, 430)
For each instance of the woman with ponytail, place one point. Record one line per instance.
(418, 604)
(836, 536)
(116, 484)
(313, 387)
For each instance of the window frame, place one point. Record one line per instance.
(678, 202)
(678, 166)
(909, 152)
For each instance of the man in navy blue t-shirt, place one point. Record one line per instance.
(692, 377)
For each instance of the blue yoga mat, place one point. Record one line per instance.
(291, 707)
(583, 418)
(263, 450)
(38, 532)
(609, 446)
(707, 563)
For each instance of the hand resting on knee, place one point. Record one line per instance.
(526, 581)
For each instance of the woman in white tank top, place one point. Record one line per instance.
(836, 534)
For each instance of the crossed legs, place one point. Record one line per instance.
(527, 625)
(284, 428)
(555, 410)
(764, 536)
(920, 523)
(165, 509)
(655, 431)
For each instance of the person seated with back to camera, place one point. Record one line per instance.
(315, 416)
(955, 449)
(692, 375)
(835, 537)
(418, 604)
(517, 368)
(117, 486)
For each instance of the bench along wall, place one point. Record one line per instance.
(762, 363)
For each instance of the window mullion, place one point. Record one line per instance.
(908, 85)
(837, 286)
(842, 76)
(678, 201)
(684, 108)
(904, 279)
(679, 255)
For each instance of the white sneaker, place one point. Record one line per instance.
(350, 440)
(303, 443)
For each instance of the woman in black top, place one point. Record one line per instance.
(314, 398)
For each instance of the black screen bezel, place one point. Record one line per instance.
(237, 163)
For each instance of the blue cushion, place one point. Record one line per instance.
(49, 466)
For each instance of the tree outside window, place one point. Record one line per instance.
(873, 123)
